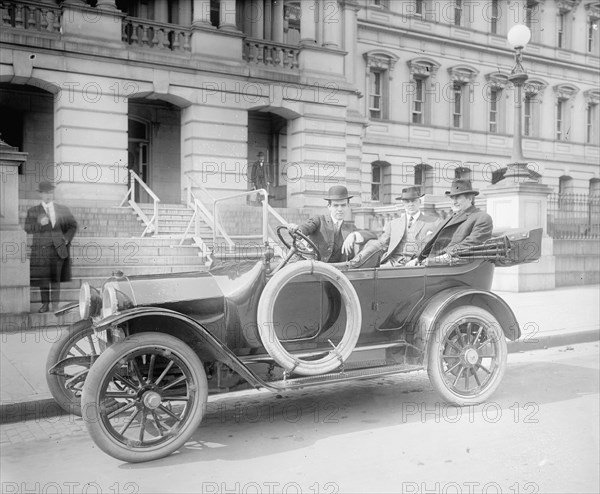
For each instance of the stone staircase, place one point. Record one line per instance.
(109, 240)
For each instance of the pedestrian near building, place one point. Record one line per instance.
(336, 239)
(468, 226)
(53, 228)
(404, 237)
(259, 175)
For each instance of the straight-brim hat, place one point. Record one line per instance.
(410, 193)
(337, 193)
(461, 186)
(45, 186)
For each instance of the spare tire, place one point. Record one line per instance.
(266, 327)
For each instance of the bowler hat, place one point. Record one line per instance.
(337, 193)
(410, 193)
(461, 186)
(45, 186)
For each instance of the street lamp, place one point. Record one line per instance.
(518, 37)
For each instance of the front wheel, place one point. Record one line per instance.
(144, 397)
(467, 356)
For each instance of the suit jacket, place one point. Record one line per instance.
(50, 243)
(395, 230)
(321, 230)
(259, 175)
(467, 228)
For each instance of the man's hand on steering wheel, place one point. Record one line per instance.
(306, 253)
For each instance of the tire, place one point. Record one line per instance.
(128, 390)
(266, 327)
(467, 356)
(76, 341)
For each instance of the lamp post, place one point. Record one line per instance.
(518, 37)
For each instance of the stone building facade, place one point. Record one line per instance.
(373, 94)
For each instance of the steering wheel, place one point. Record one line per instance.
(295, 248)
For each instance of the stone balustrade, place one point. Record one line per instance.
(261, 52)
(31, 16)
(143, 33)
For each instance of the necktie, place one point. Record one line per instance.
(410, 221)
(338, 226)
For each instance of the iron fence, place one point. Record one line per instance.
(573, 216)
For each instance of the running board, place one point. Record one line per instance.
(366, 371)
(266, 358)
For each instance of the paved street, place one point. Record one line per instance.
(540, 434)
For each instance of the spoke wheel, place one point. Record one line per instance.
(78, 340)
(144, 397)
(467, 356)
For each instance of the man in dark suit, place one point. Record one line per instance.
(468, 226)
(334, 237)
(259, 175)
(404, 237)
(53, 228)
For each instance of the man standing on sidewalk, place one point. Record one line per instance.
(53, 228)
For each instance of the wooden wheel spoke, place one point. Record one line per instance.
(164, 373)
(469, 332)
(92, 346)
(78, 348)
(454, 345)
(118, 394)
(175, 398)
(478, 335)
(151, 367)
(476, 378)
(458, 376)
(479, 366)
(486, 342)
(129, 421)
(127, 382)
(467, 369)
(157, 422)
(142, 426)
(174, 383)
(452, 368)
(118, 411)
(138, 373)
(170, 413)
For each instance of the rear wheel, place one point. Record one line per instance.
(79, 343)
(467, 356)
(144, 397)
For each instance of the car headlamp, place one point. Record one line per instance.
(113, 300)
(90, 301)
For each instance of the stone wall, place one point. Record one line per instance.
(577, 262)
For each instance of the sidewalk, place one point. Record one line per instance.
(557, 317)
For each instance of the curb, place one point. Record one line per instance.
(46, 407)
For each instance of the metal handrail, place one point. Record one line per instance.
(151, 223)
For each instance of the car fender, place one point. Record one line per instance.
(209, 343)
(425, 323)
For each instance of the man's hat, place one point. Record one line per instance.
(410, 193)
(461, 186)
(337, 193)
(45, 186)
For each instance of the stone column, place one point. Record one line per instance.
(87, 177)
(185, 13)
(227, 15)
(161, 10)
(201, 13)
(256, 13)
(268, 19)
(106, 5)
(522, 205)
(350, 45)
(14, 265)
(332, 24)
(277, 21)
(307, 22)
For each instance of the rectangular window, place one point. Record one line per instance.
(418, 104)
(592, 36)
(458, 12)
(590, 119)
(494, 17)
(419, 7)
(528, 116)
(457, 115)
(375, 95)
(375, 183)
(559, 119)
(494, 97)
(561, 30)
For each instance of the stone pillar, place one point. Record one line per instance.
(14, 266)
(227, 15)
(86, 176)
(522, 205)
(106, 5)
(350, 36)
(307, 22)
(161, 10)
(81, 24)
(277, 21)
(185, 13)
(332, 24)
(268, 6)
(257, 18)
(201, 13)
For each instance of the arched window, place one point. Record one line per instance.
(565, 185)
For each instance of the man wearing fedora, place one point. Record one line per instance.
(53, 228)
(334, 237)
(468, 226)
(404, 237)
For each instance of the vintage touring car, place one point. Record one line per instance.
(148, 349)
